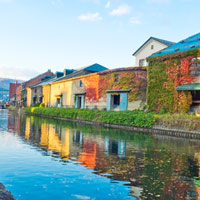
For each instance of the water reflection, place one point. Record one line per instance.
(152, 167)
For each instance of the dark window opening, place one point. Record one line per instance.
(116, 100)
(77, 138)
(195, 96)
(81, 83)
(114, 148)
(58, 100)
(152, 46)
(34, 100)
(195, 66)
(141, 62)
(195, 72)
(116, 77)
(79, 102)
(40, 99)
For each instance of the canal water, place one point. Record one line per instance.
(52, 159)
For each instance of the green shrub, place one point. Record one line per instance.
(138, 118)
(42, 105)
(28, 109)
(36, 105)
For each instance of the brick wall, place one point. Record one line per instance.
(18, 93)
(37, 79)
(12, 89)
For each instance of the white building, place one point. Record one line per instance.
(152, 45)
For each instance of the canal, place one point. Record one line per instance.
(53, 159)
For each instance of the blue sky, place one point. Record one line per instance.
(37, 35)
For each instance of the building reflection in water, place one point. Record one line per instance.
(68, 142)
(27, 128)
(55, 139)
(77, 138)
(142, 162)
(115, 147)
(88, 156)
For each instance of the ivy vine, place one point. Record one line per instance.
(165, 73)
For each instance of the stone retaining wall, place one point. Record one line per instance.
(5, 194)
(156, 129)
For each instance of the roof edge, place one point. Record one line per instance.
(154, 38)
(193, 52)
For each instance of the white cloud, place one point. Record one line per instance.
(135, 20)
(17, 73)
(121, 10)
(108, 4)
(90, 17)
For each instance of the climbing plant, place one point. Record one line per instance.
(91, 85)
(165, 73)
(135, 81)
(132, 79)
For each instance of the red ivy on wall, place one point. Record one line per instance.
(167, 72)
(178, 74)
(97, 85)
(134, 80)
(91, 84)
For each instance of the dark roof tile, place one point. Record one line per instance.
(192, 42)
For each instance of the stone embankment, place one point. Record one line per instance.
(5, 194)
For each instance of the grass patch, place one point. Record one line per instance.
(187, 122)
(177, 116)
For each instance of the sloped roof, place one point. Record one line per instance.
(95, 68)
(192, 42)
(38, 76)
(123, 69)
(166, 42)
(45, 82)
(84, 71)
